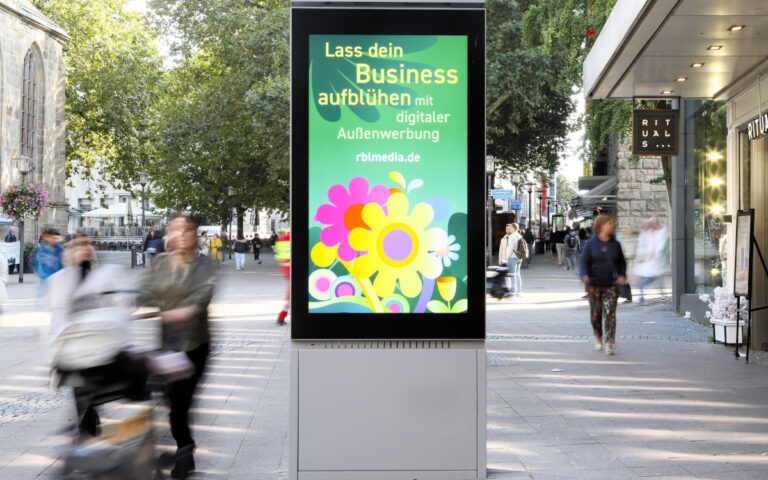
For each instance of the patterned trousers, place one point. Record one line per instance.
(602, 303)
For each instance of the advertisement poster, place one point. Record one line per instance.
(387, 163)
(742, 266)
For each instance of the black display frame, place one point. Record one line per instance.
(469, 325)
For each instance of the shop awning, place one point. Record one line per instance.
(652, 46)
(603, 196)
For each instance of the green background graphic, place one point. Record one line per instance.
(439, 178)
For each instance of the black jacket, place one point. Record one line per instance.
(602, 262)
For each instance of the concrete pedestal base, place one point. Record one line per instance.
(388, 413)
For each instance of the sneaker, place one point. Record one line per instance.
(598, 345)
(608, 349)
(508, 294)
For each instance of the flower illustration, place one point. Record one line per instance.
(344, 213)
(447, 287)
(447, 253)
(397, 246)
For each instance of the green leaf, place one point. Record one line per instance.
(436, 306)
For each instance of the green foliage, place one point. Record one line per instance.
(605, 117)
(566, 191)
(527, 103)
(224, 117)
(113, 69)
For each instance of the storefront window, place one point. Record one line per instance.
(710, 197)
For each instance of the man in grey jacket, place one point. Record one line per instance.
(509, 256)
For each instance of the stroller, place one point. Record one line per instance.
(495, 281)
(91, 355)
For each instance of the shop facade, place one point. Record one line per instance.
(709, 60)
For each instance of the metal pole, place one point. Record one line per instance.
(229, 233)
(143, 219)
(530, 219)
(489, 207)
(21, 247)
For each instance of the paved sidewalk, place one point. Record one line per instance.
(669, 405)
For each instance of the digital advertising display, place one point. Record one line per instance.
(386, 144)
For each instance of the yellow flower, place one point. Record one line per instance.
(397, 246)
(447, 287)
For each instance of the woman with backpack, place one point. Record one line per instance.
(603, 269)
(572, 246)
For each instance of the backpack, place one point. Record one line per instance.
(522, 249)
(572, 241)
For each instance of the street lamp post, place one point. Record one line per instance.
(490, 168)
(549, 211)
(230, 194)
(516, 182)
(24, 167)
(541, 225)
(143, 183)
(530, 200)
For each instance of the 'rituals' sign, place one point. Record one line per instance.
(656, 132)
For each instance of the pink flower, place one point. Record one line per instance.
(345, 213)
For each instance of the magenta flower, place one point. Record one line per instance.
(344, 213)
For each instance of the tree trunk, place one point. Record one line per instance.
(240, 215)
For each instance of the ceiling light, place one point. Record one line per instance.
(714, 47)
(697, 64)
(736, 28)
(667, 92)
(681, 79)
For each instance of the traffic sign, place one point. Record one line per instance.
(498, 193)
(516, 205)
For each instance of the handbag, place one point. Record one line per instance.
(624, 291)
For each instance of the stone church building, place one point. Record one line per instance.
(32, 96)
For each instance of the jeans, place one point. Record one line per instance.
(239, 260)
(514, 281)
(570, 258)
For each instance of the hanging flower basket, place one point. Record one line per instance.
(24, 200)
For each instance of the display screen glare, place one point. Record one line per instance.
(387, 152)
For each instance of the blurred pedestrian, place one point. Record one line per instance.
(216, 245)
(89, 325)
(155, 245)
(224, 246)
(148, 238)
(529, 240)
(283, 258)
(240, 247)
(512, 251)
(572, 246)
(48, 259)
(10, 237)
(649, 254)
(257, 245)
(204, 244)
(182, 282)
(603, 267)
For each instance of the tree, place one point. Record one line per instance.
(224, 118)
(113, 69)
(566, 191)
(528, 106)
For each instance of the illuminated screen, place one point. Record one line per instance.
(387, 174)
